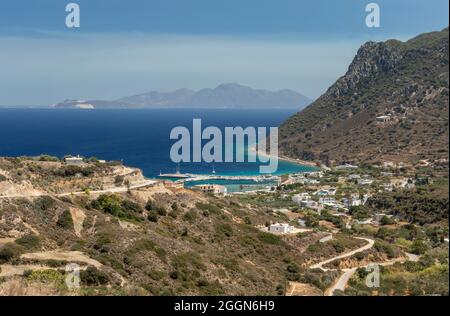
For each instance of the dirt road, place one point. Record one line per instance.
(370, 243)
(111, 190)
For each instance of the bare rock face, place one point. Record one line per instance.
(371, 60)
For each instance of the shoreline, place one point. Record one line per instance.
(253, 148)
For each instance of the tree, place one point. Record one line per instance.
(385, 220)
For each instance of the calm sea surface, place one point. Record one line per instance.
(138, 137)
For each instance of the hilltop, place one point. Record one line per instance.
(229, 95)
(391, 105)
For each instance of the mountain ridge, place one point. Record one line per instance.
(392, 104)
(230, 95)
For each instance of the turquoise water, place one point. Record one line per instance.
(140, 138)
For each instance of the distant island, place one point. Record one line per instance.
(229, 95)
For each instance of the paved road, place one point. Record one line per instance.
(342, 281)
(111, 190)
(370, 243)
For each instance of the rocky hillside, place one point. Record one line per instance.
(151, 240)
(391, 105)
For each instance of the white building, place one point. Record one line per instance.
(74, 161)
(378, 217)
(383, 118)
(313, 205)
(326, 238)
(301, 197)
(326, 192)
(364, 222)
(346, 166)
(354, 177)
(328, 201)
(365, 181)
(280, 228)
(212, 189)
(388, 187)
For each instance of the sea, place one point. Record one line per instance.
(139, 138)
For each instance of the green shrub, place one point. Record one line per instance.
(190, 216)
(338, 246)
(268, 238)
(147, 245)
(10, 252)
(93, 277)
(152, 217)
(131, 206)
(418, 247)
(46, 276)
(65, 220)
(44, 203)
(156, 274)
(103, 239)
(224, 229)
(108, 203)
(161, 211)
(385, 220)
(213, 209)
(118, 180)
(29, 242)
(151, 205)
(113, 205)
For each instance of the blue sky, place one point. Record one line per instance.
(129, 47)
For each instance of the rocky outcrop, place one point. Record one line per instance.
(392, 104)
(371, 60)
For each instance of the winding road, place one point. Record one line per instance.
(111, 190)
(370, 243)
(342, 281)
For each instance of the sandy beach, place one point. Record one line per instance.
(260, 153)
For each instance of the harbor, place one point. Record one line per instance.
(235, 184)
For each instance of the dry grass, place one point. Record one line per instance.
(18, 287)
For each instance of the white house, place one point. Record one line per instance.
(365, 181)
(326, 192)
(326, 238)
(328, 201)
(379, 216)
(212, 189)
(388, 187)
(346, 166)
(356, 201)
(301, 197)
(74, 161)
(365, 222)
(313, 205)
(354, 177)
(280, 228)
(383, 118)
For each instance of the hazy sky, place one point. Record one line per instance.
(134, 46)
